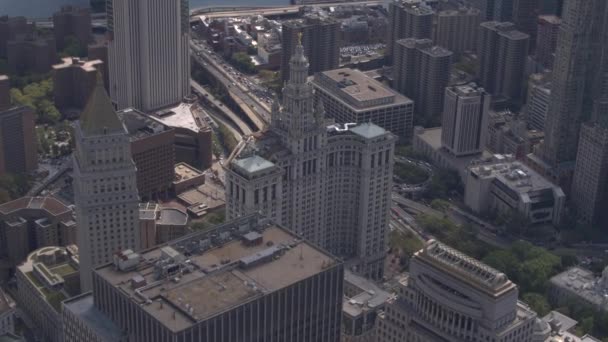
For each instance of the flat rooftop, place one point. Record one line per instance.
(180, 116)
(583, 283)
(84, 64)
(219, 270)
(185, 172)
(358, 89)
(49, 204)
(140, 125)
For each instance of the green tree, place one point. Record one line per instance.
(242, 62)
(73, 48)
(537, 302)
(38, 95)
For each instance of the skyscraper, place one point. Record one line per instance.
(408, 19)
(539, 97)
(321, 40)
(502, 53)
(457, 30)
(503, 10)
(576, 61)
(464, 120)
(546, 39)
(149, 54)
(105, 191)
(329, 183)
(421, 71)
(18, 144)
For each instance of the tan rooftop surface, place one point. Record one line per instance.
(360, 87)
(218, 280)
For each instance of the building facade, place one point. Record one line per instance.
(72, 22)
(421, 71)
(31, 53)
(46, 278)
(7, 314)
(10, 28)
(153, 151)
(502, 54)
(82, 321)
(525, 17)
(149, 55)
(73, 82)
(18, 141)
(274, 287)
(349, 95)
(330, 184)
(539, 98)
(5, 92)
(546, 39)
(160, 225)
(105, 185)
(506, 186)
(408, 19)
(457, 30)
(320, 38)
(464, 120)
(449, 296)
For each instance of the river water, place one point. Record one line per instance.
(45, 8)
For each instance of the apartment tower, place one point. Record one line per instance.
(457, 30)
(408, 19)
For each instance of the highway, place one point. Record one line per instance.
(270, 11)
(217, 105)
(252, 107)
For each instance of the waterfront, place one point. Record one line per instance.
(45, 8)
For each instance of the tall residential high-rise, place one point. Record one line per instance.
(321, 40)
(330, 183)
(464, 121)
(5, 92)
(149, 55)
(18, 143)
(503, 10)
(451, 297)
(421, 71)
(576, 61)
(249, 279)
(408, 19)
(72, 22)
(349, 95)
(486, 8)
(546, 39)
(525, 17)
(502, 54)
(457, 30)
(73, 82)
(105, 190)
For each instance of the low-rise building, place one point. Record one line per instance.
(73, 82)
(349, 95)
(159, 225)
(29, 223)
(363, 302)
(186, 177)
(153, 146)
(449, 296)
(507, 133)
(505, 185)
(48, 277)
(581, 286)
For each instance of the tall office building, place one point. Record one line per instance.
(331, 184)
(457, 30)
(408, 19)
(464, 121)
(5, 92)
(451, 297)
(349, 95)
(502, 53)
(321, 40)
(576, 63)
(18, 143)
(105, 191)
(246, 280)
(421, 71)
(546, 39)
(149, 53)
(525, 17)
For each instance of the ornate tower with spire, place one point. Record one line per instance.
(105, 190)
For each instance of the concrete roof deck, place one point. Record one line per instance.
(218, 281)
(49, 204)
